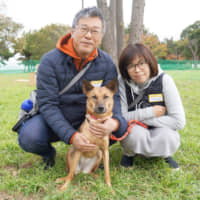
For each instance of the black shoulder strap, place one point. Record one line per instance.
(136, 100)
(140, 96)
(132, 101)
(75, 79)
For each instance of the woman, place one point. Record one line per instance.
(151, 97)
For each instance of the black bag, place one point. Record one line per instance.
(24, 115)
(21, 122)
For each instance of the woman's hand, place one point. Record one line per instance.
(103, 129)
(159, 110)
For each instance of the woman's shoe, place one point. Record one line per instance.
(172, 163)
(126, 161)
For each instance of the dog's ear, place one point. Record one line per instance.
(86, 86)
(112, 85)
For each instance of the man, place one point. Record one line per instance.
(61, 116)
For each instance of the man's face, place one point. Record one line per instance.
(87, 36)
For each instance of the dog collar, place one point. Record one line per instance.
(92, 117)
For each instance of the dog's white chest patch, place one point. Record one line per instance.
(85, 165)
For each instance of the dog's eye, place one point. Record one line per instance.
(94, 97)
(105, 96)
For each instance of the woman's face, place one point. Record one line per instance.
(138, 70)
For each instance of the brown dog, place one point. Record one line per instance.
(99, 106)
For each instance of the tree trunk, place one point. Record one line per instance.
(109, 40)
(113, 20)
(193, 46)
(82, 3)
(136, 25)
(120, 27)
(114, 39)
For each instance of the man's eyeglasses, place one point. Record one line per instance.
(83, 30)
(140, 65)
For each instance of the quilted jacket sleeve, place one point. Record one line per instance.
(48, 100)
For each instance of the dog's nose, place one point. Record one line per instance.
(100, 108)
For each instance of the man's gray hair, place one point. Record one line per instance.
(89, 12)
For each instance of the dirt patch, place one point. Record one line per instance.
(12, 169)
(18, 196)
(27, 165)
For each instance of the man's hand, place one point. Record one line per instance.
(82, 144)
(103, 129)
(159, 110)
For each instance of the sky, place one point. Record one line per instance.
(165, 18)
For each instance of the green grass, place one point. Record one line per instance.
(22, 175)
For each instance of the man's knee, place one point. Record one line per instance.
(31, 135)
(28, 140)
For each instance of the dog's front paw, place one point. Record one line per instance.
(60, 180)
(62, 188)
(113, 192)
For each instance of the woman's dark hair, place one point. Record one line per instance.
(131, 52)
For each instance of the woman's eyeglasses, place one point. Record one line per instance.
(140, 65)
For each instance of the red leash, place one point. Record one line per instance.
(131, 124)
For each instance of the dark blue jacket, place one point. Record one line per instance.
(65, 113)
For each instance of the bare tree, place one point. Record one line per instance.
(193, 46)
(82, 3)
(109, 40)
(120, 27)
(136, 25)
(114, 38)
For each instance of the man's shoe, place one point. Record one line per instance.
(127, 161)
(49, 161)
(172, 163)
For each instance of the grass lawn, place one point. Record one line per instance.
(22, 176)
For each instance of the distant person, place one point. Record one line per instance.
(61, 116)
(36, 67)
(157, 104)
